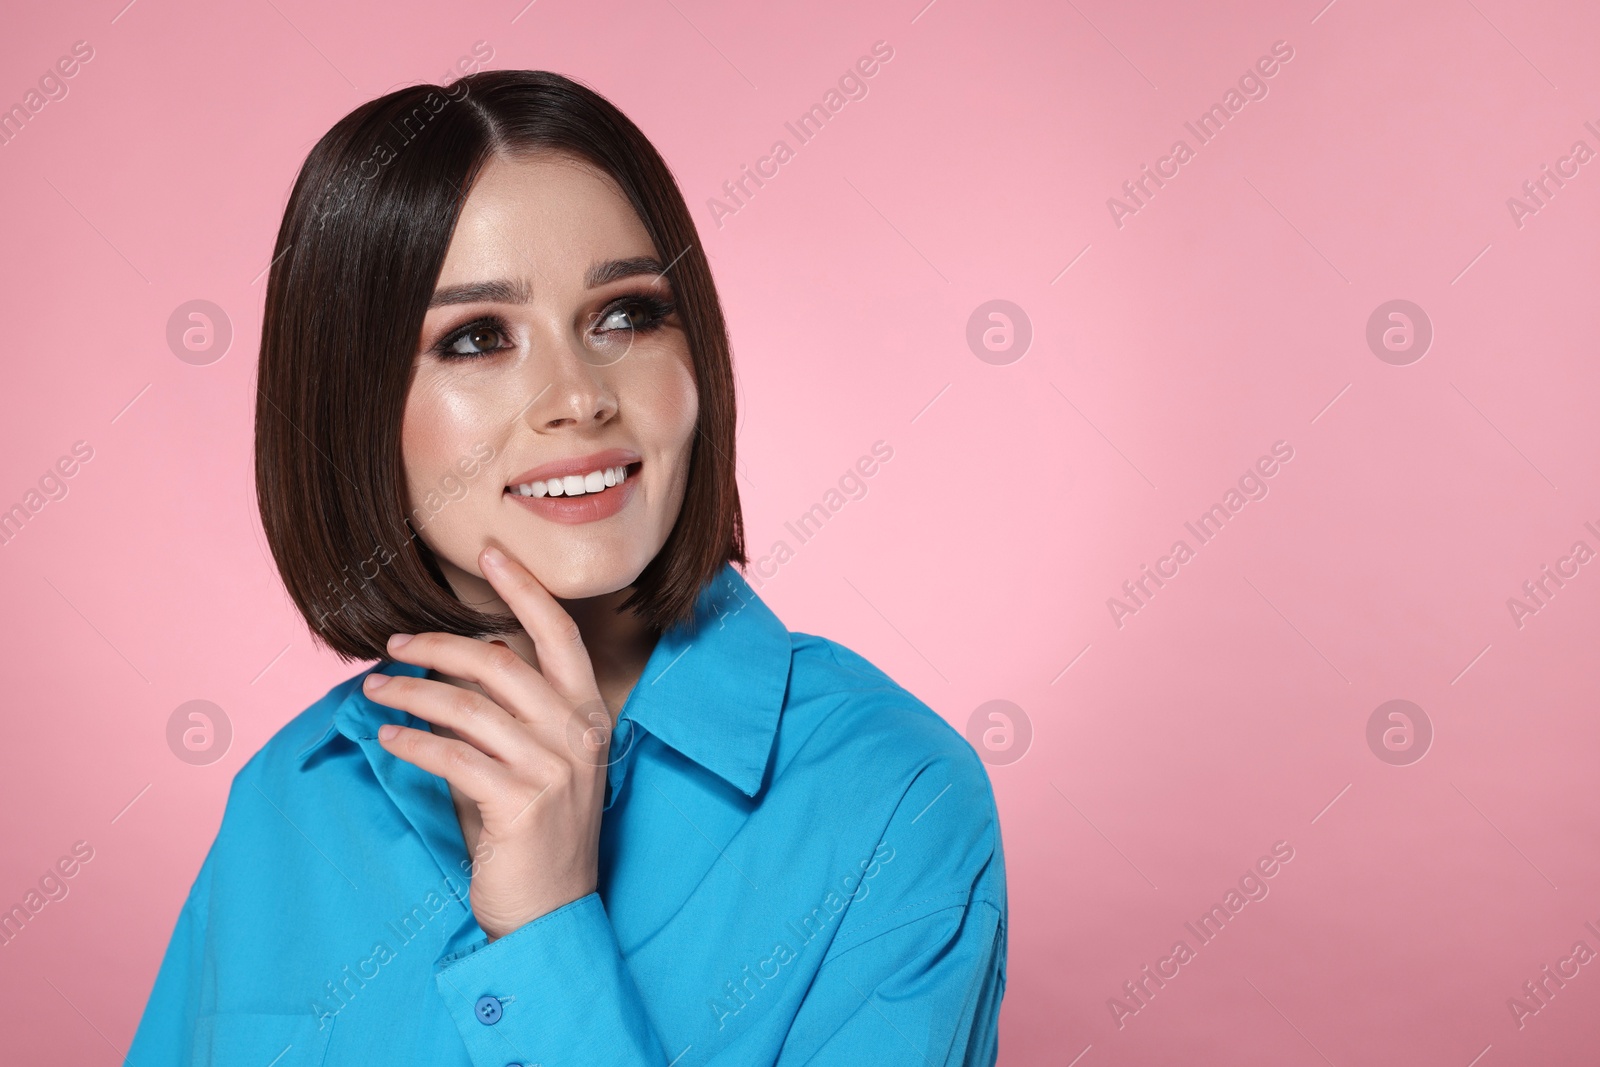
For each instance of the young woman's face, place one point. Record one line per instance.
(551, 362)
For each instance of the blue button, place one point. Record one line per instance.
(489, 1010)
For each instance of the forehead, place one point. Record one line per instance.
(545, 215)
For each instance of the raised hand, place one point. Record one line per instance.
(529, 750)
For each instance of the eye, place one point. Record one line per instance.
(638, 313)
(474, 339)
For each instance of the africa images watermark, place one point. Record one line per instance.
(739, 993)
(851, 485)
(451, 489)
(852, 85)
(1252, 886)
(402, 132)
(1537, 192)
(1252, 85)
(1538, 992)
(52, 485)
(1540, 590)
(337, 995)
(1252, 485)
(52, 86)
(53, 887)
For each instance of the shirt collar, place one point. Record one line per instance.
(712, 689)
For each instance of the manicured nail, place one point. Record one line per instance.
(387, 732)
(399, 640)
(376, 681)
(494, 557)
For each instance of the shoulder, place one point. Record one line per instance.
(854, 704)
(906, 775)
(896, 753)
(273, 763)
(270, 808)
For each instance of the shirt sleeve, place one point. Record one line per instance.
(167, 1026)
(917, 970)
(553, 991)
(557, 991)
(924, 993)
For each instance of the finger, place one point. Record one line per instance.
(562, 658)
(474, 717)
(478, 777)
(508, 679)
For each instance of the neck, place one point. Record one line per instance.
(619, 644)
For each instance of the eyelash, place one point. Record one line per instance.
(656, 312)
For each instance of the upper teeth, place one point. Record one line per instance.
(574, 484)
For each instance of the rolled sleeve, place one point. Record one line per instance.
(553, 992)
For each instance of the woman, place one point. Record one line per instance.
(594, 804)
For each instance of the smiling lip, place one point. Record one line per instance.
(588, 507)
(561, 468)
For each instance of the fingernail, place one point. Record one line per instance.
(386, 732)
(399, 640)
(376, 681)
(493, 557)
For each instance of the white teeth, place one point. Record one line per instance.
(575, 484)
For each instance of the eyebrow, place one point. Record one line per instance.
(501, 291)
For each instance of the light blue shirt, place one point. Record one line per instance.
(799, 863)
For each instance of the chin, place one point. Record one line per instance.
(569, 578)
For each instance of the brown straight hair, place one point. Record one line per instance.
(363, 239)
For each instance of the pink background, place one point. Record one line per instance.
(1227, 314)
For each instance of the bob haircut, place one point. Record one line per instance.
(363, 240)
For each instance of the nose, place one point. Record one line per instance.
(569, 389)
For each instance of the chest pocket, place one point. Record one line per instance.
(252, 1039)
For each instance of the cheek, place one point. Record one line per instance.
(440, 428)
(677, 408)
(421, 441)
(685, 406)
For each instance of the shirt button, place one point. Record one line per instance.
(489, 1010)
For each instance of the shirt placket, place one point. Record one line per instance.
(624, 736)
